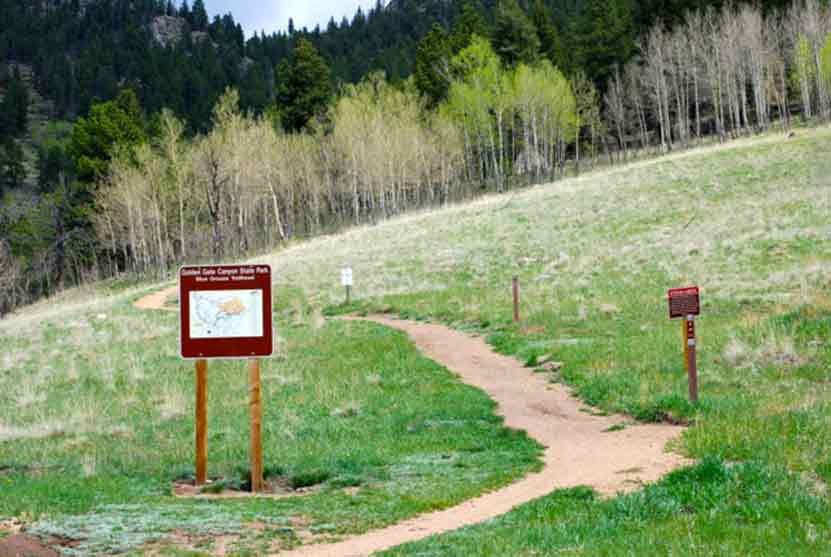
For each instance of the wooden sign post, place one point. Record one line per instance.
(225, 313)
(201, 422)
(685, 303)
(256, 452)
(516, 299)
(346, 279)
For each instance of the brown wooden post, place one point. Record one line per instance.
(348, 295)
(692, 364)
(516, 299)
(256, 426)
(201, 422)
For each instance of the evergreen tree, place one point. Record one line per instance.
(255, 93)
(108, 126)
(304, 86)
(432, 71)
(471, 22)
(184, 11)
(199, 16)
(515, 37)
(551, 46)
(14, 110)
(12, 165)
(604, 35)
(53, 162)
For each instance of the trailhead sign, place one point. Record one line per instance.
(225, 311)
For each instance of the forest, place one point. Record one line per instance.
(256, 143)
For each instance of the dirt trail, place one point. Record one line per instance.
(579, 449)
(157, 300)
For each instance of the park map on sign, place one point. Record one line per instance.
(226, 314)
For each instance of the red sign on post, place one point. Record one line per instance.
(684, 302)
(225, 311)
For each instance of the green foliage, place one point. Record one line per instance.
(825, 62)
(53, 163)
(551, 44)
(432, 70)
(304, 86)
(14, 109)
(604, 35)
(515, 38)
(804, 69)
(199, 15)
(471, 22)
(12, 169)
(108, 126)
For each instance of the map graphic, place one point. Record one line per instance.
(226, 314)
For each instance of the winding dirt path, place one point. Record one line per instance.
(157, 300)
(579, 448)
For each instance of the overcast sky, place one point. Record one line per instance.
(273, 15)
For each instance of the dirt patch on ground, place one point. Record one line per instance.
(20, 545)
(158, 300)
(580, 449)
(273, 489)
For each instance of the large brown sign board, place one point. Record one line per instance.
(684, 302)
(225, 311)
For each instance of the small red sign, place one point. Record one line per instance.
(684, 302)
(225, 311)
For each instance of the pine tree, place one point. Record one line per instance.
(432, 71)
(515, 37)
(52, 162)
(184, 11)
(108, 126)
(11, 164)
(14, 109)
(304, 86)
(551, 46)
(604, 35)
(199, 15)
(470, 23)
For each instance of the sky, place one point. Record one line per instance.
(273, 15)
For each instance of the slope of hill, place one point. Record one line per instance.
(177, 57)
(94, 402)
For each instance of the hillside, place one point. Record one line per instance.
(84, 52)
(95, 405)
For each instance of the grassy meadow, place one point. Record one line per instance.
(96, 408)
(96, 422)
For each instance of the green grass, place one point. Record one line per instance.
(595, 258)
(96, 424)
(713, 508)
(353, 405)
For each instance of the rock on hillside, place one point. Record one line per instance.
(167, 30)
